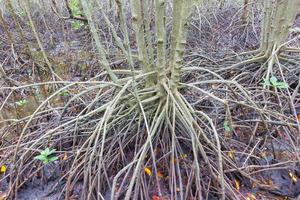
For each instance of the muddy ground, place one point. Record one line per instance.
(73, 54)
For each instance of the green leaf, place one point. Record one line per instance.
(48, 152)
(76, 24)
(226, 126)
(64, 93)
(52, 151)
(282, 85)
(74, 5)
(47, 156)
(22, 102)
(266, 82)
(40, 157)
(273, 80)
(53, 158)
(45, 152)
(46, 161)
(22, 13)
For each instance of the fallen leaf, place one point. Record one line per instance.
(184, 156)
(65, 156)
(155, 197)
(148, 171)
(231, 154)
(3, 195)
(237, 184)
(263, 154)
(298, 118)
(293, 177)
(174, 161)
(250, 196)
(3, 169)
(269, 182)
(159, 174)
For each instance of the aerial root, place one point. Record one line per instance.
(134, 122)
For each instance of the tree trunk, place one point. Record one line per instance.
(279, 16)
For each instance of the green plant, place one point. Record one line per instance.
(147, 104)
(273, 81)
(21, 102)
(74, 5)
(21, 13)
(226, 126)
(76, 24)
(64, 93)
(47, 156)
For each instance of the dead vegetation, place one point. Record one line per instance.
(151, 99)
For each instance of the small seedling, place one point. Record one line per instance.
(76, 25)
(226, 126)
(273, 81)
(47, 156)
(74, 5)
(22, 102)
(64, 93)
(21, 13)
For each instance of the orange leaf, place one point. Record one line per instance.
(298, 117)
(155, 197)
(174, 161)
(148, 171)
(159, 174)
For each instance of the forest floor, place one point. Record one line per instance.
(215, 38)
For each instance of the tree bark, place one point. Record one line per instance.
(279, 16)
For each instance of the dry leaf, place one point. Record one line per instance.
(184, 156)
(293, 177)
(231, 154)
(269, 182)
(250, 196)
(3, 169)
(3, 195)
(65, 156)
(148, 171)
(159, 174)
(155, 197)
(237, 184)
